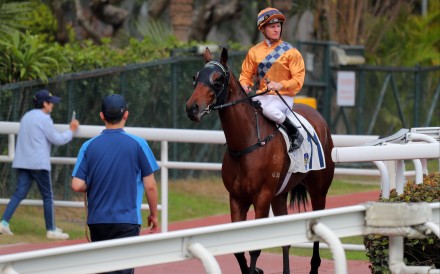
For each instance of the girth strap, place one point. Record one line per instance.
(259, 144)
(251, 148)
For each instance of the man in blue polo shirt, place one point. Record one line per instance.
(115, 168)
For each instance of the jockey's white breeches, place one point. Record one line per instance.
(274, 108)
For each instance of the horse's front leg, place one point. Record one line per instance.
(253, 269)
(241, 259)
(262, 207)
(239, 213)
(279, 208)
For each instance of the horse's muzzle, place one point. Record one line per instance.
(192, 112)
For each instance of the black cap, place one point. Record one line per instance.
(113, 106)
(44, 95)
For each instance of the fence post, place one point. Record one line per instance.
(327, 80)
(164, 184)
(361, 101)
(416, 96)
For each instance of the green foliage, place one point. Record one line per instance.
(89, 56)
(24, 57)
(13, 15)
(420, 252)
(157, 33)
(412, 40)
(42, 22)
(146, 50)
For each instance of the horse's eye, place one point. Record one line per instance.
(216, 80)
(218, 83)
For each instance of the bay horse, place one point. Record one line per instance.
(256, 160)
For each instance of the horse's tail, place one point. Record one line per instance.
(298, 197)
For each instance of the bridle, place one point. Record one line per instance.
(220, 91)
(219, 87)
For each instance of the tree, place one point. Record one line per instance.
(412, 40)
(181, 12)
(352, 22)
(211, 13)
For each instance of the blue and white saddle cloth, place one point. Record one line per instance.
(309, 156)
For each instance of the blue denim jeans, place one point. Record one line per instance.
(24, 181)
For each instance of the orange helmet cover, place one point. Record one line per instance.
(269, 16)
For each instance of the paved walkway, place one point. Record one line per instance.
(269, 262)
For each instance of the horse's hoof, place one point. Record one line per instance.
(259, 271)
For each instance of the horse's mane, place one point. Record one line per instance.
(253, 103)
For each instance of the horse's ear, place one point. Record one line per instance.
(224, 57)
(207, 55)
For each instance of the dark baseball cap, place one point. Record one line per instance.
(113, 106)
(43, 95)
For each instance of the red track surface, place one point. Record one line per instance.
(270, 263)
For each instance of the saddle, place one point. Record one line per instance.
(310, 155)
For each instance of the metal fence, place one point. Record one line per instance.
(387, 99)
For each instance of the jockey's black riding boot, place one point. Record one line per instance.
(295, 137)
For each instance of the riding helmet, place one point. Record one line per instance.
(269, 16)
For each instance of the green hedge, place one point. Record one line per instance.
(417, 252)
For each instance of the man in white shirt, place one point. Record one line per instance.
(32, 160)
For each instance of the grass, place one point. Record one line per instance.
(188, 199)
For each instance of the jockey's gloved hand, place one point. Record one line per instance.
(252, 92)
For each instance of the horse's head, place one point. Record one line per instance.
(210, 86)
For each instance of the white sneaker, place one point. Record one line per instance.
(5, 230)
(57, 234)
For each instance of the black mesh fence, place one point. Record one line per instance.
(155, 92)
(387, 99)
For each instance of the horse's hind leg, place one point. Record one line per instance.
(315, 263)
(286, 265)
(318, 193)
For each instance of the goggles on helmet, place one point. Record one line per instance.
(269, 17)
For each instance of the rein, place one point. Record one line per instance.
(86, 230)
(291, 110)
(258, 144)
(222, 106)
(261, 142)
(218, 91)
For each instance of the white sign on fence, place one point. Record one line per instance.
(345, 92)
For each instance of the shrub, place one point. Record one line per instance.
(24, 57)
(417, 252)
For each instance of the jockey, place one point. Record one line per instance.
(276, 66)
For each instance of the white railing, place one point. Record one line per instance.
(201, 243)
(409, 145)
(204, 243)
(165, 136)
